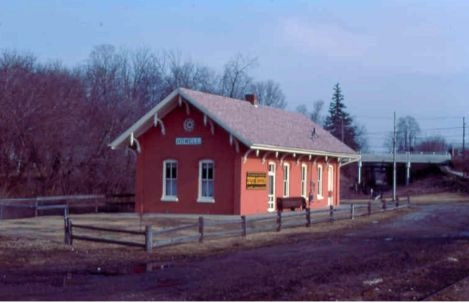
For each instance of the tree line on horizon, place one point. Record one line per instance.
(408, 138)
(56, 122)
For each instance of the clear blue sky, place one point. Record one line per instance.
(407, 56)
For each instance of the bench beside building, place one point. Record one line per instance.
(201, 153)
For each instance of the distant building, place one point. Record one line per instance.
(207, 154)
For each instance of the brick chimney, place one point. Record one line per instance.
(251, 98)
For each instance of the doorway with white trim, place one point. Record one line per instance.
(330, 184)
(271, 188)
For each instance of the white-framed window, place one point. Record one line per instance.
(286, 179)
(170, 172)
(304, 178)
(206, 181)
(320, 177)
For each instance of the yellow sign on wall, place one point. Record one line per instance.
(256, 180)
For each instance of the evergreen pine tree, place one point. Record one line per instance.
(338, 122)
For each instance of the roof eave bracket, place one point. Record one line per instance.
(134, 144)
(266, 154)
(157, 121)
(246, 154)
(235, 142)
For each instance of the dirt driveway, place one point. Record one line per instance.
(419, 254)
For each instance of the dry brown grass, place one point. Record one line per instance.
(39, 241)
(443, 197)
(437, 197)
(44, 237)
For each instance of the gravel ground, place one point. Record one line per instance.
(421, 253)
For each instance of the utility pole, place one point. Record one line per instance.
(463, 137)
(394, 161)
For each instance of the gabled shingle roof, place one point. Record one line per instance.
(258, 127)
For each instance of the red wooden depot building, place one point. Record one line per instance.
(207, 154)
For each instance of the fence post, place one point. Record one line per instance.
(352, 211)
(66, 212)
(243, 226)
(397, 201)
(308, 217)
(96, 205)
(201, 229)
(369, 208)
(68, 237)
(408, 200)
(331, 213)
(384, 204)
(279, 220)
(148, 238)
(65, 230)
(1, 211)
(35, 208)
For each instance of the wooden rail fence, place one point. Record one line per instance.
(27, 207)
(70, 236)
(205, 228)
(33, 207)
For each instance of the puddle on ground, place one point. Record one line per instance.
(139, 268)
(150, 267)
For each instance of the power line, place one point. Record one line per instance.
(463, 137)
(416, 117)
(437, 117)
(442, 128)
(374, 117)
(385, 132)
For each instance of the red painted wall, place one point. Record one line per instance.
(157, 147)
(254, 201)
(322, 202)
(231, 194)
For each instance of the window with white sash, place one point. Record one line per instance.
(304, 173)
(206, 181)
(170, 172)
(320, 177)
(286, 179)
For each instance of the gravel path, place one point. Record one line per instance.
(422, 254)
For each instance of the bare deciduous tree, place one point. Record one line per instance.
(56, 123)
(187, 74)
(235, 80)
(41, 106)
(269, 93)
(407, 132)
(147, 76)
(302, 109)
(315, 114)
(432, 144)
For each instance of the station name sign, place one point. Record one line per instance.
(189, 141)
(256, 180)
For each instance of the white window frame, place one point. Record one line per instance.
(165, 197)
(271, 197)
(286, 180)
(304, 180)
(320, 181)
(206, 199)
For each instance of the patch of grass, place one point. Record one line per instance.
(41, 244)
